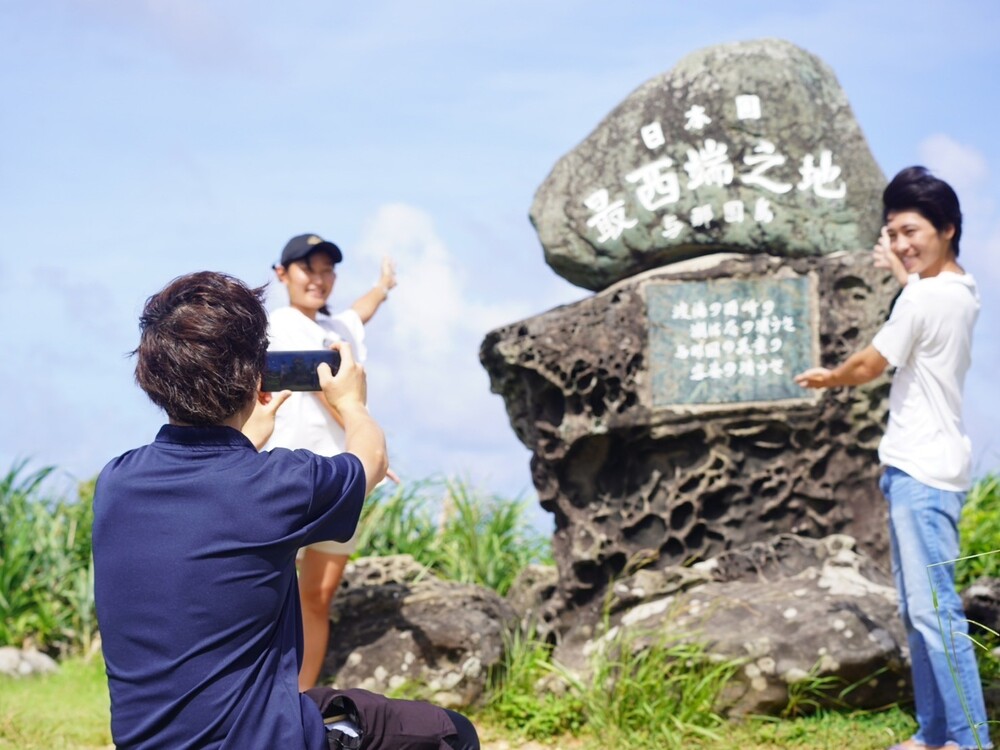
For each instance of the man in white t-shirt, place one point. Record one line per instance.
(925, 451)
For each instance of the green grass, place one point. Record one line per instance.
(68, 709)
(826, 730)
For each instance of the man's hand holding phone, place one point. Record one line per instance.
(347, 393)
(349, 386)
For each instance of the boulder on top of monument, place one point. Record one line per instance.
(750, 147)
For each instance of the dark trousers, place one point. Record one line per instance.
(389, 724)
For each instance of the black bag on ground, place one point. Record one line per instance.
(386, 724)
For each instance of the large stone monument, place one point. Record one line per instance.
(723, 213)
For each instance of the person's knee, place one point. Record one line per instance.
(319, 579)
(465, 737)
(318, 598)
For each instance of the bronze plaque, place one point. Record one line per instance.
(722, 341)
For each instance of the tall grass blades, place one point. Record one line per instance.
(531, 697)
(658, 695)
(46, 573)
(643, 692)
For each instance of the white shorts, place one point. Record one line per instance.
(335, 548)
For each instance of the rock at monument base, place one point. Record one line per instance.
(833, 623)
(750, 147)
(530, 592)
(395, 625)
(981, 601)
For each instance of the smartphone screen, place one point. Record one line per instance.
(296, 370)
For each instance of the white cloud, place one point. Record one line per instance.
(961, 165)
(968, 170)
(433, 311)
(427, 386)
(965, 168)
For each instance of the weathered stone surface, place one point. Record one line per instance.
(833, 619)
(981, 601)
(395, 624)
(817, 178)
(627, 479)
(531, 591)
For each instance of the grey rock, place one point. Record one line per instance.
(828, 633)
(632, 483)
(26, 662)
(981, 601)
(530, 592)
(38, 662)
(792, 165)
(10, 659)
(398, 627)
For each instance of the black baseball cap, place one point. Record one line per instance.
(302, 245)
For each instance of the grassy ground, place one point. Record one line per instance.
(69, 711)
(56, 712)
(828, 731)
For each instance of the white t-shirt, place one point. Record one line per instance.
(928, 338)
(303, 421)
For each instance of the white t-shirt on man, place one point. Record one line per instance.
(928, 339)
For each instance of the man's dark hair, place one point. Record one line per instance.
(916, 189)
(202, 347)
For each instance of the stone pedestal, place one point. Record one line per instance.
(634, 477)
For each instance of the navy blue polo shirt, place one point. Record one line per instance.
(195, 538)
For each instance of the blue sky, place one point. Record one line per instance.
(143, 139)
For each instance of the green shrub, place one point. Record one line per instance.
(455, 531)
(980, 532)
(396, 521)
(46, 571)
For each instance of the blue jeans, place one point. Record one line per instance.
(923, 530)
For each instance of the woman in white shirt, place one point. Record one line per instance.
(308, 271)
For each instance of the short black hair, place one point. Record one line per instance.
(916, 189)
(202, 347)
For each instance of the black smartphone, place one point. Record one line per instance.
(296, 370)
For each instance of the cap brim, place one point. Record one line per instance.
(323, 247)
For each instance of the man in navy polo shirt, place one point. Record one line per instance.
(195, 538)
